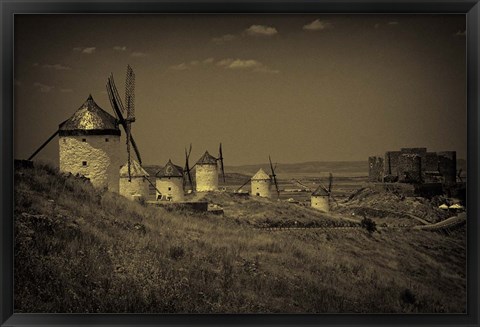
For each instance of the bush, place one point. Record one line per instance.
(368, 224)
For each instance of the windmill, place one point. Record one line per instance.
(119, 110)
(273, 176)
(205, 160)
(329, 189)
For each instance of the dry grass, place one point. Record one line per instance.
(89, 251)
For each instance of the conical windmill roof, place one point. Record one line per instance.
(320, 191)
(170, 170)
(90, 119)
(260, 175)
(135, 170)
(207, 159)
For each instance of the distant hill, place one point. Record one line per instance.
(351, 168)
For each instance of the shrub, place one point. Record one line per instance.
(368, 224)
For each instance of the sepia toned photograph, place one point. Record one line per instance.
(240, 163)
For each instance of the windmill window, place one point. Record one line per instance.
(169, 188)
(84, 163)
(106, 140)
(84, 140)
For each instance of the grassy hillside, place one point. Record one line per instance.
(82, 250)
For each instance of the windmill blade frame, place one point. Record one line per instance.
(330, 183)
(130, 107)
(248, 180)
(274, 177)
(117, 105)
(130, 94)
(187, 166)
(220, 158)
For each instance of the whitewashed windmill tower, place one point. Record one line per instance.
(261, 184)
(89, 144)
(169, 183)
(320, 198)
(134, 180)
(206, 172)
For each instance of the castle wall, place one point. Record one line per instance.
(375, 169)
(431, 161)
(170, 187)
(261, 188)
(137, 186)
(409, 168)
(447, 166)
(96, 158)
(206, 177)
(320, 203)
(391, 162)
(421, 152)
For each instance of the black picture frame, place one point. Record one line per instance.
(471, 8)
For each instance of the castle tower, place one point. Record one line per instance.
(170, 183)
(206, 173)
(320, 199)
(261, 184)
(137, 186)
(89, 144)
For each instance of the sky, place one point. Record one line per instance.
(297, 87)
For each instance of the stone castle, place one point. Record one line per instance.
(414, 166)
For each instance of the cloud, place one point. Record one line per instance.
(261, 30)
(43, 87)
(393, 23)
(224, 38)
(461, 33)
(138, 54)
(245, 64)
(317, 25)
(66, 90)
(182, 66)
(56, 67)
(120, 48)
(228, 63)
(239, 63)
(88, 50)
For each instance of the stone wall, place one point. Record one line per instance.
(261, 188)
(206, 177)
(94, 156)
(170, 187)
(391, 163)
(375, 169)
(409, 168)
(431, 161)
(320, 203)
(137, 186)
(421, 152)
(447, 166)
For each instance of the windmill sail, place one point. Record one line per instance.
(187, 166)
(118, 109)
(220, 157)
(274, 177)
(130, 107)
